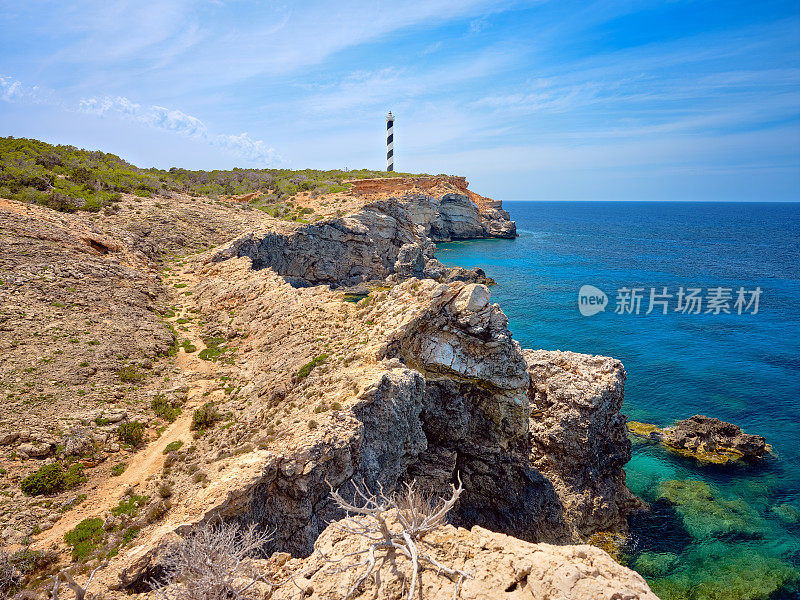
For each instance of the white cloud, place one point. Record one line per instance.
(246, 147)
(10, 89)
(179, 122)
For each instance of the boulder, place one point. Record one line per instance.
(499, 566)
(8, 437)
(705, 439)
(704, 436)
(579, 439)
(78, 443)
(35, 450)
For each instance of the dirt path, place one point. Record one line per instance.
(148, 461)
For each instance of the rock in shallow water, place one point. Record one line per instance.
(705, 439)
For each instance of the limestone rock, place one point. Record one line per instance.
(8, 437)
(387, 237)
(705, 439)
(35, 450)
(78, 443)
(500, 567)
(579, 438)
(704, 436)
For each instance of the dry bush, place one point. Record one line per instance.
(9, 577)
(215, 563)
(79, 591)
(415, 514)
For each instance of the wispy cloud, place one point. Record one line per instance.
(176, 121)
(13, 90)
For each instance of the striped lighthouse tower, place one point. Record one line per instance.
(390, 142)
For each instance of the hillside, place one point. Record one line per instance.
(180, 360)
(66, 178)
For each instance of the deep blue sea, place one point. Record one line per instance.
(715, 532)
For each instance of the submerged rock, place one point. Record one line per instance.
(705, 439)
(787, 513)
(655, 564)
(720, 571)
(706, 515)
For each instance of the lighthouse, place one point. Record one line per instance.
(390, 142)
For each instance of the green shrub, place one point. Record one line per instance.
(205, 417)
(173, 446)
(118, 470)
(130, 533)
(131, 433)
(306, 369)
(85, 538)
(28, 560)
(67, 178)
(74, 476)
(130, 374)
(214, 348)
(188, 347)
(129, 505)
(164, 408)
(49, 479)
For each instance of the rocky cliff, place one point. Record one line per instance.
(303, 388)
(386, 237)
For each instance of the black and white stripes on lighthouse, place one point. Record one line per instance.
(390, 142)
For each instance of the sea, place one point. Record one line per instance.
(702, 306)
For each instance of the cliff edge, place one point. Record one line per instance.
(285, 380)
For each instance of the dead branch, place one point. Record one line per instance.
(369, 516)
(215, 563)
(80, 592)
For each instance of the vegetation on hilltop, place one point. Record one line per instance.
(68, 179)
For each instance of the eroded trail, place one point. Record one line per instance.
(147, 462)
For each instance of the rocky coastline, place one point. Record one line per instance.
(420, 379)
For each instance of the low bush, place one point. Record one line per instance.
(130, 374)
(306, 369)
(68, 179)
(165, 409)
(214, 349)
(205, 417)
(130, 533)
(85, 538)
(74, 476)
(129, 505)
(131, 433)
(173, 446)
(53, 478)
(165, 490)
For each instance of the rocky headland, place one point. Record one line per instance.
(263, 362)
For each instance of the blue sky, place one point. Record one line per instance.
(546, 100)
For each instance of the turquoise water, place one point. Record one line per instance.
(714, 532)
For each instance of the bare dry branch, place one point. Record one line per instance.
(215, 563)
(416, 513)
(9, 577)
